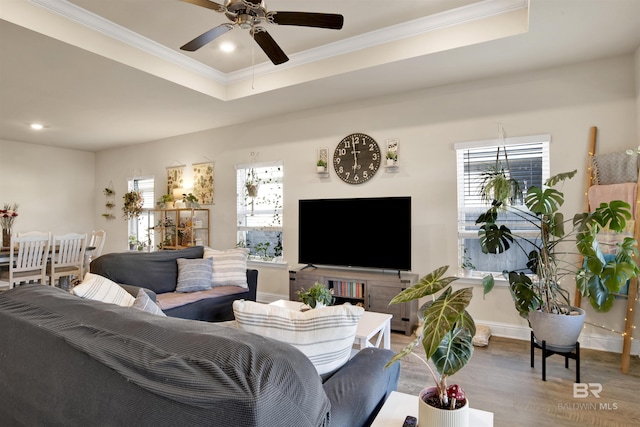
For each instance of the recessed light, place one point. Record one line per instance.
(227, 47)
(36, 126)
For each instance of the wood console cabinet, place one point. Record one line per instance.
(372, 290)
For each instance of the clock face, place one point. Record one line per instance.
(356, 158)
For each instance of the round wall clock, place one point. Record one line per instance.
(356, 158)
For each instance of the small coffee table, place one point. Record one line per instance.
(399, 405)
(371, 325)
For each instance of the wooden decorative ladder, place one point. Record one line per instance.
(627, 335)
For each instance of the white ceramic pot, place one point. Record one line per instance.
(468, 272)
(429, 416)
(320, 168)
(560, 331)
(319, 304)
(391, 162)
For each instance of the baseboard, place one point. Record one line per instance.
(611, 343)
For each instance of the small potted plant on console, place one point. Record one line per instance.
(317, 296)
(446, 336)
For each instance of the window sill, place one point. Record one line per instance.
(268, 264)
(476, 279)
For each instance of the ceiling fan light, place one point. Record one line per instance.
(245, 21)
(227, 47)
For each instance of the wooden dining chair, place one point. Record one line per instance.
(94, 248)
(28, 259)
(67, 256)
(97, 242)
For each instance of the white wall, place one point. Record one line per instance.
(54, 187)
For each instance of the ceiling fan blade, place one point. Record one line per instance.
(207, 37)
(308, 19)
(269, 46)
(208, 4)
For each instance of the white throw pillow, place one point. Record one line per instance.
(229, 266)
(324, 335)
(96, 287)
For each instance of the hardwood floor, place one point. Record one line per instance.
(499, 379)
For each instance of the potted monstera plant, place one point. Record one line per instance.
(446, 336)
(551, 257)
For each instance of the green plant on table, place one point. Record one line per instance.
(447, 332)
(318, 293)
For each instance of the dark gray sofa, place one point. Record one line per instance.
(65, 361)
(158, 272)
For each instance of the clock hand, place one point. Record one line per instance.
(355, 159)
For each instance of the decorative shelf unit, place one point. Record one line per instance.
(181, 228)
(371, 290)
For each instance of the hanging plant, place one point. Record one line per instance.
(252, 183)
(132, 204)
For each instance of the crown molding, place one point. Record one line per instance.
(118, 32)
(392, 33)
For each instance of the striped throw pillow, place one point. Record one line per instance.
(194, 274)
(144, 303)
(96, 287)
(229, 266)
(325, 335)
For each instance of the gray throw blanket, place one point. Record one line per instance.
(222, 375)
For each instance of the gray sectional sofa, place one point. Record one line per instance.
(66, 361)
(158, 272)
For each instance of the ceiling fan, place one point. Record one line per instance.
(248, 14)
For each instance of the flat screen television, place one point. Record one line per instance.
(359, 232)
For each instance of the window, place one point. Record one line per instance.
(139, 227)
(528, 163)
(259, 209)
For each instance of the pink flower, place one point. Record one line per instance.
(8, 215)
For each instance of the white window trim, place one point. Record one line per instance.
(488, 143)
(280, 228)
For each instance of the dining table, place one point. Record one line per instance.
(5, 260)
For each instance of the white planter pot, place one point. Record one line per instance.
(560, 331)
(428, 416)
(321, 169)
(468, 272)
(319, 304)
(391, 162)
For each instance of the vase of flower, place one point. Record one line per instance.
(6, 238)
(7, 217)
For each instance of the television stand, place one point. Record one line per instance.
(371, 290)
